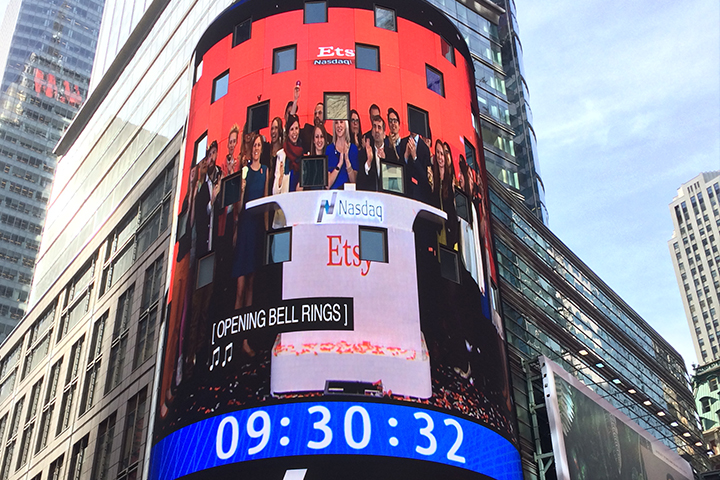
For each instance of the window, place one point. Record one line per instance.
(705, 402)
(77, 299)
(462, 206)
(48, 406)
(469, 153)
(206, 268)
(258, 116)
(434, 80)
(12, 439)
(25, 446)
(154, 212)
(77, 459)
(392, 176)
(39, 340)
(8, 371)
(242, 32)
(152, 283)
(449, 268)
(119, 340)
(7, 461)
(385, 18)
(200, 148)
(3, 426)
(447, 50)
(139, 230)
(278, 246)
(145, 345)
(74, 314)
(92, 372)
(55, 472)
(315, 12)
(418, 121)
(284, 59)
(71, 380)
(337, 106)
(198, 71)
(367, 57)
(145, 340)
(373, 244)
(220, 86)
(16, 418)
(133, 438)
(103, 447)
(30, 417)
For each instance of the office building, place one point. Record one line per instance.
(554, 305)
(694, 251)
(509, 141)
(78, 386)
(49, 55)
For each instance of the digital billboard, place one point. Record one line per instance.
(593, 439)
(329, 309)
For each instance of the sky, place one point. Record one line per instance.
(626, 106)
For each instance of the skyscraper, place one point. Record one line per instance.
(554, 305)
(49, 51)
(510, 145)
(77, 377)
(696, 259)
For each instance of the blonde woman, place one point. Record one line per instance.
(342, 156)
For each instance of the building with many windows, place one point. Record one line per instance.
(77, 376)
(554, 305)
(49, 51)
(695, 255)
(491, 31)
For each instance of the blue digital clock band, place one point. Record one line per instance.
(335, 428)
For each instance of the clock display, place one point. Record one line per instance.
(336, 428)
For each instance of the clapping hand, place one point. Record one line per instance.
(410, 149)
(368, 150)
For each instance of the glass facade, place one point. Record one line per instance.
(121, 18)
(49, 59)
(135, 122)
(553, 305)
(502, 93)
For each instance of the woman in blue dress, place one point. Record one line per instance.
(342, 157)
(251, 226)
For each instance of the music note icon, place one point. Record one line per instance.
(215, 358)
(228, 354)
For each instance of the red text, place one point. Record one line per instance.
(343, 254)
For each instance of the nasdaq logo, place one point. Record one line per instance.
(327, 207)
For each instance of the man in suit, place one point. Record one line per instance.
(374, 111)
(413, 150)
(369, 176)
(393, 120)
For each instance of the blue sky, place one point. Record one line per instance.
(626, 104)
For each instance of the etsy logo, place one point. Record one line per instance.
(342, 254)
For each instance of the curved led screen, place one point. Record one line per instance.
(330, 308)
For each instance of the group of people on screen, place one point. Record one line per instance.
(273, 166)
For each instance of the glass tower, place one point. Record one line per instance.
(45, 81)
(510, 150)
(554, 305)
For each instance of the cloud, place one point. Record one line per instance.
(625, 103)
